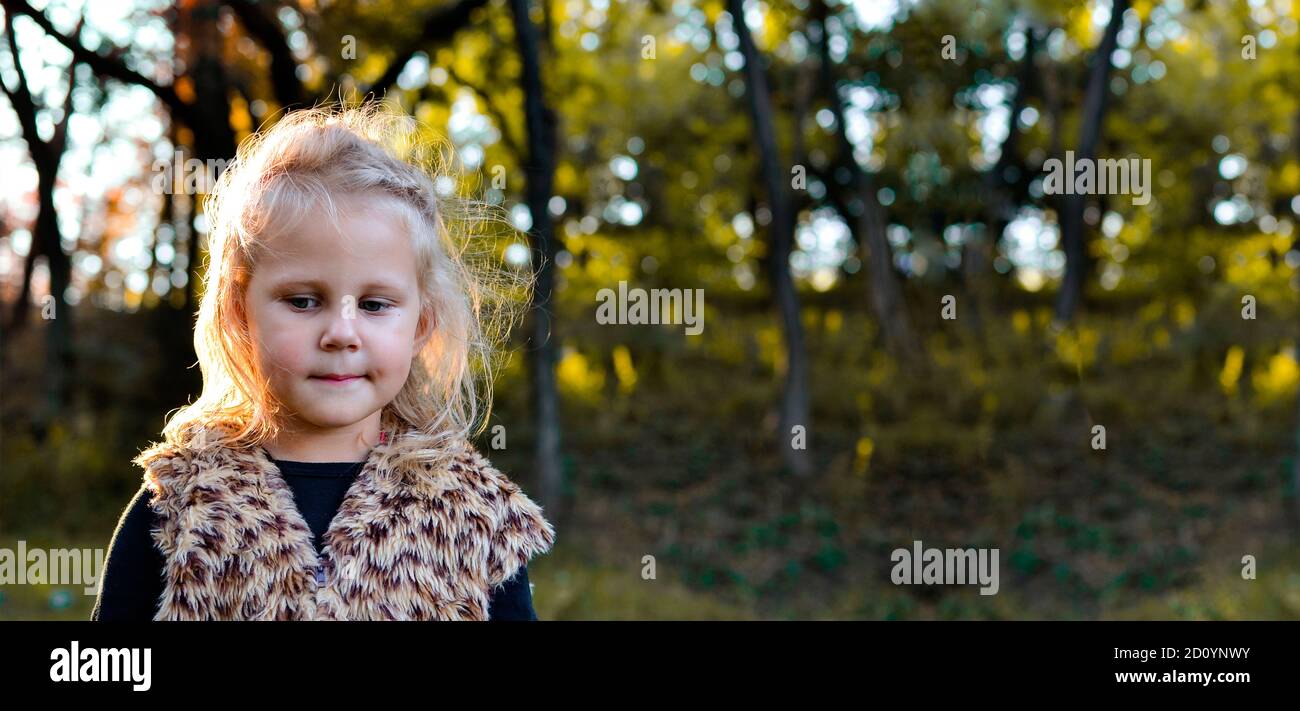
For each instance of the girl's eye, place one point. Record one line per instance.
(293, 299)
(382, 306)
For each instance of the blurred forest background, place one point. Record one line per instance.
(839, 178)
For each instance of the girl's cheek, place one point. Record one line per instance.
(284, 351)
(402, 351)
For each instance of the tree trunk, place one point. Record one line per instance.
(540, 172)
(46, 239)
(884, 293)
(795, 408)
(22, 305)
(59, 362)
(1094, 111)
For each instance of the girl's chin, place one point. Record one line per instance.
(332, 421)
(334, 411)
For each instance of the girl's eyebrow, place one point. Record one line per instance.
(321, 286)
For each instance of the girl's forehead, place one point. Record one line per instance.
(372, 256)
(345, 237)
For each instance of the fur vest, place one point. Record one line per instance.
(415, 541)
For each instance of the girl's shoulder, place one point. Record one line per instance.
(475, 473)
(171, 466)
(162, 463)
(521, 530)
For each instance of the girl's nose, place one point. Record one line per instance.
(341, 331)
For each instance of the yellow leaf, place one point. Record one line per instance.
(834, 320)
(577, 376)
(1281, 379)
(1021, 321)
(1232, 369)
(865, 449)
(624, 369)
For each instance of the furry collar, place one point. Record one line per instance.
(411, 541)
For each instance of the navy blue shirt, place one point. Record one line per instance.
(132, 585)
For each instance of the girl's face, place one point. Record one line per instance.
(335, 316)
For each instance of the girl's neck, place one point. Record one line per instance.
(340, 444)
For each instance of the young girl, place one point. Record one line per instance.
(345, 337)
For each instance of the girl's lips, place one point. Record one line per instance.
(329, 379)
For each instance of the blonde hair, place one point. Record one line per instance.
(470, 297)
